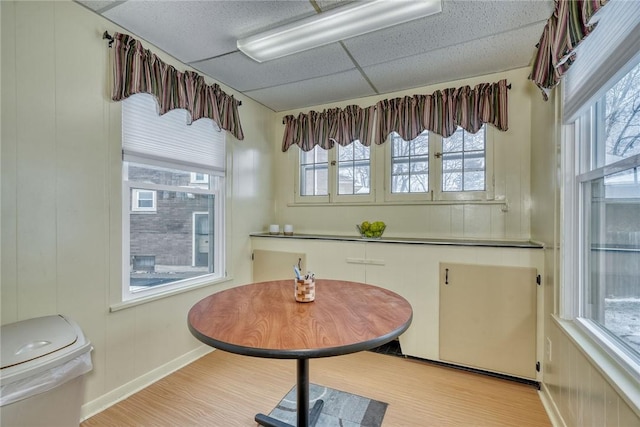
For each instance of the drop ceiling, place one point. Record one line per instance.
(469, 38)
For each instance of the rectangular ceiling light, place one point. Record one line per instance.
(337, 24)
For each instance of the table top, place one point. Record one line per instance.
(264, 320)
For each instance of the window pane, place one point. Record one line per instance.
(419, 183)
(463, 161)
(454, 142)
(474, 141)
(452, 182)
(171, 245)
(612, 252)
(177, 242)
(452, 163)
(420, 145)
(622, 119)
(345, 153)
(346, 179)
(354, 169)
(473, 181)
(142, 203)
(474, 162)
(410, 164)
(313, 172)
(164, 176)
(360, 152)
(400, 147)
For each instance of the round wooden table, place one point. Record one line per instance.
(264, 320)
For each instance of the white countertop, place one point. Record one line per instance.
(408, 240)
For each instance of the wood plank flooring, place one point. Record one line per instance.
(226, 390)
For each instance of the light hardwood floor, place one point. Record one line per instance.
(223, 389)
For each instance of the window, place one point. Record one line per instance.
(176, 171)
(354, 170)
(314, 172)
(607, 241)
(410, 164)
(143, 200)
(600, 290)
(199, 178)
(463, 161)
(335, 175)
(458, 169)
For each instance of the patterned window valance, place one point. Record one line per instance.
(566, 28)
(335, 125)
(441, 112)
(138, 70)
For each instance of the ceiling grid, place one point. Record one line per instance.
(467, 39)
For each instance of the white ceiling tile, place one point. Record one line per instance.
(98, 5)
(483, 56)
(238, 71)
(459, 22)
(196, 30)
(322, 90)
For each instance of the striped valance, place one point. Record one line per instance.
(335, 125)
(441, 112)
(444, 111)
(138, 70)
(569, 24)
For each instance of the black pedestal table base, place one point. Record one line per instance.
(306, 418)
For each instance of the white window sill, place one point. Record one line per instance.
(403, 202)
(168, 293)
(620, 379)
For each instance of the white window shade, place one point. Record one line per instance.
(147, 135)
(603, 55)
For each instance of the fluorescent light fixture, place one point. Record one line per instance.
(334, 25)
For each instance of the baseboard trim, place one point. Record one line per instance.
(98, 405)
(520, 380)
(550, 406)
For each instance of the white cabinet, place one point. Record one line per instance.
(327, 259)
(405, 270)
(411, 270)
(492, 310)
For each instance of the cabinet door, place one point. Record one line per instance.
(488, 317)
(276, 265)
(405, 269)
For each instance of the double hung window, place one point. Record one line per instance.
(601, 188)
(607, 238)
(173, 194)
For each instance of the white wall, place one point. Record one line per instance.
(60, 176)
(512, 175)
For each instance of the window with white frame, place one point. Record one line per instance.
(409, 164)
(607, 147)
(459, 167)
(199, 178)
(464, 161)
(601, 187)
(354, 169)
(334, 175)
(143, 200)
(176, 170)
(314, 172)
